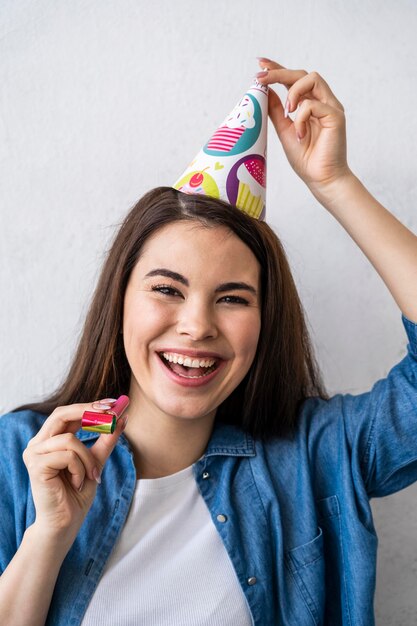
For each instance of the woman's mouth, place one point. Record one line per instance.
(189, 367)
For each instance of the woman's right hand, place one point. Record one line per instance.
(63, 472)
(315, 142)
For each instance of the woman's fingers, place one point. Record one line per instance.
(54, 462)
(327, 116)
(278, 73)
(265, 62)
(311, 86)
(65, 419)
(44, 467)
(308, 109)
(93, 459)
(38, 457)
(309, 93)
(299, 83)
(67, 442)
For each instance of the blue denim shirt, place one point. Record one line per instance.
(297, 523)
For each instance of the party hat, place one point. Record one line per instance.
(232, 164)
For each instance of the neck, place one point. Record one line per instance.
(163, 445)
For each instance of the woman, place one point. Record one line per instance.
(252, 499)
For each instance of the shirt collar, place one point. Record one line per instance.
(228, 440)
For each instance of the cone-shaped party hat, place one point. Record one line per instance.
(232, 164)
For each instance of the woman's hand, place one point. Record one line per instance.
(315, 142)
(63, 472)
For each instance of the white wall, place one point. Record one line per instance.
(101, 100)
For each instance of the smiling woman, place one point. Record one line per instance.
(203, 271)
(237, 492)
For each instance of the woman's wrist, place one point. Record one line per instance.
(48, 541)
(28, 582)
(334, 193)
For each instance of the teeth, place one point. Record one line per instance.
(187, 361)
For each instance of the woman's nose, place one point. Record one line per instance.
(196, 319)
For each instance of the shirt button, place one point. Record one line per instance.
(221, 518)
(252, 580)
(206, 475)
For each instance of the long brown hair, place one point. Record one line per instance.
(284, 371)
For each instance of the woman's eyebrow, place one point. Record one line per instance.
(161, 271)
(234, 287)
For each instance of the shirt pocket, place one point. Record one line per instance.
(306, 566)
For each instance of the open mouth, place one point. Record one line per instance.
(188, 367)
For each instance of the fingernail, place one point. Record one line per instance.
(263, 59)
(287, 108)
(299, 138)
(97, 475)
(124, 422)
(80, 488)
(261, 74)
(105, 404)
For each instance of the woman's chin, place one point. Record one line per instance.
(190, 413)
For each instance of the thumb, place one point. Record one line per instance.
(276, 113)
(105, 444)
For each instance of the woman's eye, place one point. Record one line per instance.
(234, 300)
(166, 290)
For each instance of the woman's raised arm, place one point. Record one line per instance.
(315, 145)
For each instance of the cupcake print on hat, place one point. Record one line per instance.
(246, 185)
(232, 164)
(239, 131)
(198, 182)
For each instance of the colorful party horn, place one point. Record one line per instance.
(104, 422)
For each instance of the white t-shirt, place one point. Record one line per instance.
(169, 567)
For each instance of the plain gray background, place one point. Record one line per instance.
(102, 100)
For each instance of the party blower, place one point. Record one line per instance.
(106, 421)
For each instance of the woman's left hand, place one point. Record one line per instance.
(315, 142)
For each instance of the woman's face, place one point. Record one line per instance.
(191, 320)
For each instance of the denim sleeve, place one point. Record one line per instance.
(16, 511)
(382, 426)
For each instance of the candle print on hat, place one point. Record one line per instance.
(232, 164)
